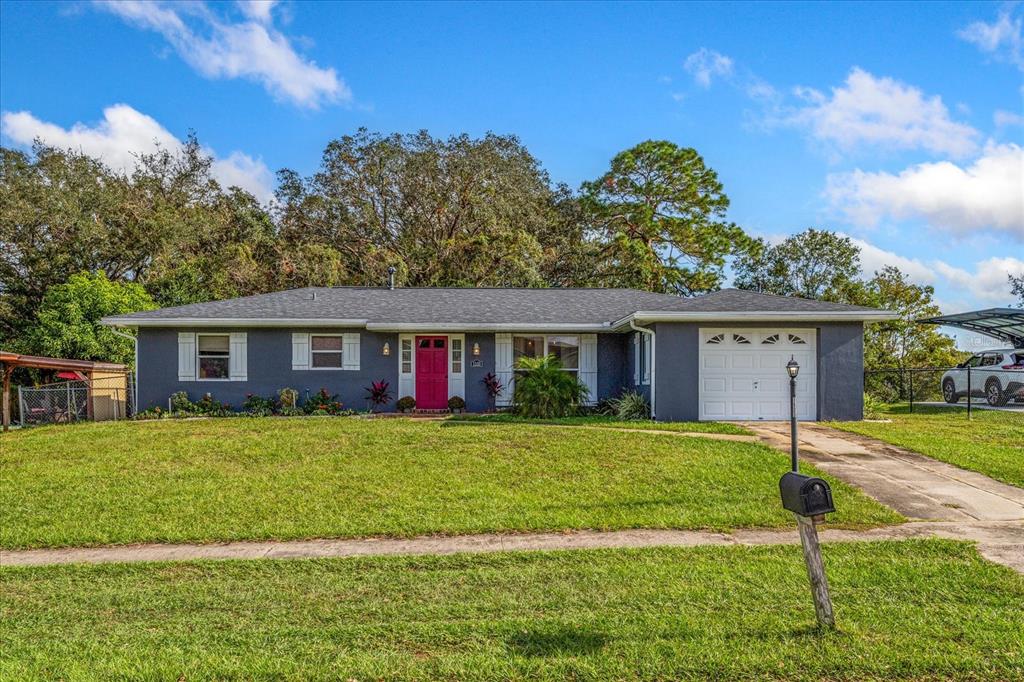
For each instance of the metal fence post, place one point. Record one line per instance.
(911, 376)
(21, 408)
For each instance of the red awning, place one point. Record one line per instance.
(74, 376)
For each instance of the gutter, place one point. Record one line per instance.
(645, 330)
(756, 316)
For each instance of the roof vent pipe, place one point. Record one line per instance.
(391, 277)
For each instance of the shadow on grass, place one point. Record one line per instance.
(562, 641)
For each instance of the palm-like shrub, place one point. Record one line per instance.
(631, 406)
(543, 390)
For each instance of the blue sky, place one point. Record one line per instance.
(898, 124)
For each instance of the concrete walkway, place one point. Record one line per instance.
(1002, 542)
(916, 486)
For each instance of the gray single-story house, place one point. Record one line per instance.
(720, 356)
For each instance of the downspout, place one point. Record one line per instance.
(134, 378)
(645, 330)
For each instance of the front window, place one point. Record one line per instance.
(565, 349)
(326, 352)
(214, 356)
(406, 356)
(456, 346)
(644, 358)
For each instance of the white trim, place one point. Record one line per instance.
(587, 372)
(230, 322)
(350, 350)
(756, 316)
(309, 353)
(199, 378)
(651, 379)
(457, 382)
(517, 327)
(407, 380)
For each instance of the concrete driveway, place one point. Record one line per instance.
(916, 486)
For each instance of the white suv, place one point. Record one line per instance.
(996, 375)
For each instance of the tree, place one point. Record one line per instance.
(1017, 288)
(67, 324)
(815, 264)
(659, 217)
(903, 342)
(444, 212)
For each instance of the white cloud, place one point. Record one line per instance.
(1005, 119)
(986, 284)
(869, 110)
(705, 65)
(251, 49)
(258, 10)
(987, 195)
(123, 134)
(1001, 38)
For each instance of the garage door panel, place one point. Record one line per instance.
(743, 373)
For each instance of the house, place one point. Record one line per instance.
(716, 356)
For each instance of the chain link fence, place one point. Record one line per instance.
(104, 398)
(969, 387)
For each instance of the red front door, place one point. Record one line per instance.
(432, 372)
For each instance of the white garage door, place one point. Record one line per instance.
(743, 373)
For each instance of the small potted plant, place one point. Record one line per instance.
(456, 404)
(406, 404)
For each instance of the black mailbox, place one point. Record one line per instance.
(805, 495)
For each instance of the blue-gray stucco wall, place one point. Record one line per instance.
(269, 361)
(840, 370)
(269, 365)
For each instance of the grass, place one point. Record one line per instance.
(920, 609)
(992, 443)
(610, 422)
(262, 478)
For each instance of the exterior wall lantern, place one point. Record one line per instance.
(476, 349)
(386, 350)
(809, 499)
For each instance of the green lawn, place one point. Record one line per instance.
(922, 609)
(609, 422)
(991, 443)
(258, 478)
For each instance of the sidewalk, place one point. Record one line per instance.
(1001, 542)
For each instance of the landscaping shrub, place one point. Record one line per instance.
(258, 406)
(494, 387)
(378, 393)
(456, 403)
(288, 398)
(406, 403)
(544, 391)
(181, 403)
(209, 407)
(631, 406)
(873, 407)
(323, 402)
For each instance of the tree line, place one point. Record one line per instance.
(79, 240)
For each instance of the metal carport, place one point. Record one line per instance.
(1005, 324)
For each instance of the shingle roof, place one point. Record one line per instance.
(378, 306)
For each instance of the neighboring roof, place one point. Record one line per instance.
(1005, 324)
(40, 362)
(380, 308)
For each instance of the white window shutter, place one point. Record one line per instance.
(239, 362)
(503, 368)
(350, 351)
(300, 351)
(186, 356)
(588, 365)
(636, 358)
